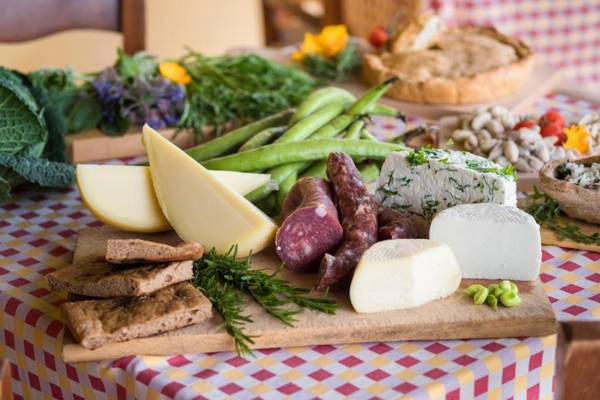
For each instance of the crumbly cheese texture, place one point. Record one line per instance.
(403, 273)
(423, 182)
(199, 207)
(491, 241)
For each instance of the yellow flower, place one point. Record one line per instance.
(333, 39)
(174, 72)
(328, 43)
(310, 45)
(577, 138)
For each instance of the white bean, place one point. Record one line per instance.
(496, 151)
(541, 152)
(460, 135)
(511, 151)
(494, 126)
(471, 143)
(498, 111)
(487, 144)
(535, 163)
(502, 161)
(526, 134)
(522, 165)
(483, 135)
(549, 140)
(480, 120)
(508, 120)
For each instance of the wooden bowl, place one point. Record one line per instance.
(576, 201)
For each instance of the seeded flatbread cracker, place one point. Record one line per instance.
(134, 251)
(102, 279)
(97, 322)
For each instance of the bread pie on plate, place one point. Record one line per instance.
(451, 66)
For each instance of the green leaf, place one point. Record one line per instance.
(22, 126)
(39, 170)
(140, 65)
(85, 114)
(118, 128)
(4, 190)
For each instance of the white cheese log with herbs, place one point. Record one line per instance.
(403, 273)
(423, 182)
(491, 241)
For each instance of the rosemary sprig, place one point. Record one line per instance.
(546, 211)
(278, 297)
(228, 303)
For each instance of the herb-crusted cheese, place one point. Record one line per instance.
(423, 182)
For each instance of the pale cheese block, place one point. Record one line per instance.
(201, 208)
(491, 241)
(422, 183)
(403, 273)
(123, 196)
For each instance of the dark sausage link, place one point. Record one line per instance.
(359, 218)
(310, 227)
(394, 225)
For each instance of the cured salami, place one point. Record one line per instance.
(310, 226)
(359, 218)
(394, 225)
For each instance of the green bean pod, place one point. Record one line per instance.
(480, 296)
(369, 171)
(317, 169)
(336, 126)
(354, 129)
(320, 98)
(278, 175)
(263, 137)
(233, 139)
(492, 301)
(285, 188)
(366, 135)
(387, 111)
(307, 126)
(366, 101)
(276, 154)
(472, 289)
(510, 299)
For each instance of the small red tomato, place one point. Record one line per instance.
(378, 36)
(553, 129)
(552, 116)
(526, 123)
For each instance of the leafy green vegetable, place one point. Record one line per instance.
(340, 68)
(28, 132)
(140, 65)
(233, 89)
(221, 276)
(22, 126)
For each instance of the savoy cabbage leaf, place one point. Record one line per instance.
(22, 126)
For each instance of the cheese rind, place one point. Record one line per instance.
(123, 195)
(438, 179)
(491, 241)
(199, 207)
(403, 273)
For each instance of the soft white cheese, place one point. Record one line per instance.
(403, 273)
(491, 241)
(424, 182)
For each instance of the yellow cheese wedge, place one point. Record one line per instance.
(123, 195)
(199, 206)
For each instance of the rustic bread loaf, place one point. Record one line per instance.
(135, 251)
(102, 279)
(97, 322)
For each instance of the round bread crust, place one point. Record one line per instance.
(489, 85)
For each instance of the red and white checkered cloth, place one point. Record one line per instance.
(564, 33)
(37, 234)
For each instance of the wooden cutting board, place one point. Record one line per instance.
(550, 238)
(454, 317)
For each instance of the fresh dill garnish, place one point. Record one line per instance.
(223, 277)
(546, 211)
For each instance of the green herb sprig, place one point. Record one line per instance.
(223, 278)
(546, 212)
(337, 69)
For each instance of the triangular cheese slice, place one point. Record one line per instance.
(201, 208)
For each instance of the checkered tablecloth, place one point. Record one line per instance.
(37, 234)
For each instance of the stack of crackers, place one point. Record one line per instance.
(140, 289)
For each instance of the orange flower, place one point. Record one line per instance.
(174, 72)
(328, 43)
(577, 138)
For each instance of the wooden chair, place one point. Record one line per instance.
(22, 20)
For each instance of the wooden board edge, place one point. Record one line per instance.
(298, 337)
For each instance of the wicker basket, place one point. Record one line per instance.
(361, 16)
